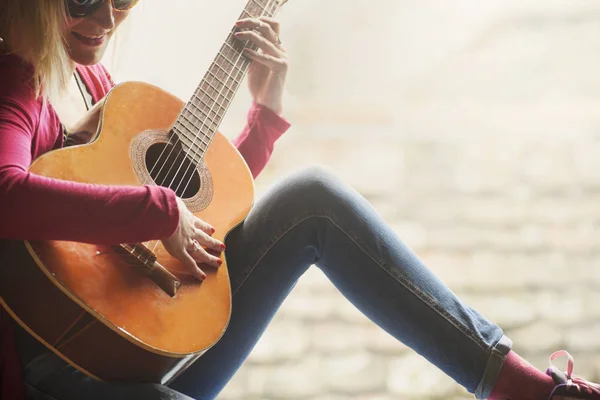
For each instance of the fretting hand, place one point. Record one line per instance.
(266, 76)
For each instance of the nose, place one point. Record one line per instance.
(105, 15)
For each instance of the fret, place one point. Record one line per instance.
(182, 138)
(226, 58)
(205, 122)
(230, 54)
(193, 151)
(185, 121)
(209, 89)
(195, 136)
(232, 80)
(210, 125)
(255, 2)
(208, 102)
(187, 124)
(254, 10)
(220, 76)
(204, 117)
(224, 90)
(207, 106)
(200, 139)
(216, 78)
(191, 148)
(246, 14)
(235, 51)
(206, 110)
(208, 93)
(214, 95)
(185, 141)
(228, 69)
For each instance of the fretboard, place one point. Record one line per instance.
(203, 113)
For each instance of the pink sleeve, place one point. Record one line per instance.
(257, 140)
(35, 207)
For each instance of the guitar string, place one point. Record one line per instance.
(236, 73)
(186, 109)
(239, 74)
(268, 8)
(181, 131)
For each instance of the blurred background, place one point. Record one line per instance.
(474, 129)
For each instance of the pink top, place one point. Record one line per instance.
(33, 207)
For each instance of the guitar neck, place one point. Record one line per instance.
(198, 122)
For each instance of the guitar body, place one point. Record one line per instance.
(87, 303)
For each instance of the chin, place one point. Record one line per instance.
(87, 59)
(85, 55)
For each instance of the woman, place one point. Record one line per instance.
(309, 218)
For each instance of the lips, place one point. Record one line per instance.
(90, 40)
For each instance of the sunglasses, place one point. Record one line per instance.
(83, 8)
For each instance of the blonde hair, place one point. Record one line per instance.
(34, 30)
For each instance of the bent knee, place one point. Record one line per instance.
(319, 186)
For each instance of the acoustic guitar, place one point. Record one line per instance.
(120, 313)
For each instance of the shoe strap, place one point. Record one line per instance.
(576, 382)
(570, 361)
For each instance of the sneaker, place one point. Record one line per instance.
(568, 386)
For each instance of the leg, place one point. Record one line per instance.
(48, 377)
(312, 218)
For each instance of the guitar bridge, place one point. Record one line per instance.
(144, 259)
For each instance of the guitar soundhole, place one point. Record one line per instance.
(169, 166)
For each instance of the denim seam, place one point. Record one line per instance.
(380, 263)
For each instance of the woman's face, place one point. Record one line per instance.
(87, 37)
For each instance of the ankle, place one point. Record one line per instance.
(519, 380)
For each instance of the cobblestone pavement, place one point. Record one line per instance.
(474, 129)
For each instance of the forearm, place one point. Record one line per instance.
(39, 208)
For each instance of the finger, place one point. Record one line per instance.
(204, 226)
(273, 23)
(191, 266)
(272, 33)
(208, 241)
(213, 252)
(273, 63)
(267, 27)
(203, 257)
(253, 23)
(263, 43)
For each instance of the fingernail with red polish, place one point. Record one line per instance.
(219, 261)
(223, 247)
(212, 230)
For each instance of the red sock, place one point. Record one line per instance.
(519, 380)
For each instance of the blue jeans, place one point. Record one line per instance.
(314, 218)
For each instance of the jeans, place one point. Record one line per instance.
(313, 218)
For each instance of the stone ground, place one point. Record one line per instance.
(474, 129)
